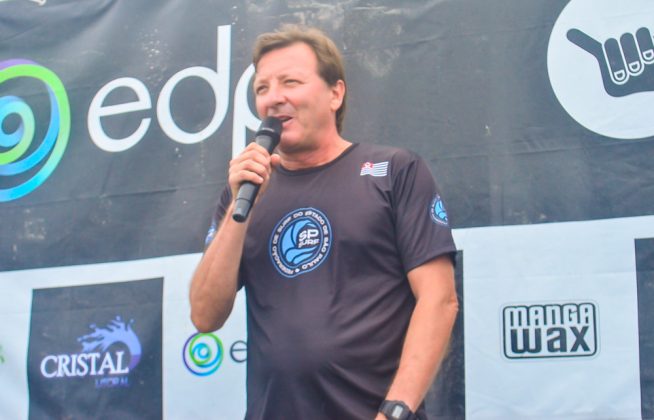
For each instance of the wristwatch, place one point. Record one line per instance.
(396, 410)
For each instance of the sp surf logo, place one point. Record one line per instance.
(300, 242)
(550, 330)
(600, 61)
(25, 163)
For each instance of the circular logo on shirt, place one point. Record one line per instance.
(437, 211)
(300, 242)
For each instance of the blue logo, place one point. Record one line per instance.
(437, 211)
(300, 242)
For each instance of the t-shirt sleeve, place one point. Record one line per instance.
(421, 222)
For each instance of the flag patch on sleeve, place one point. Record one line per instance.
(374, 169)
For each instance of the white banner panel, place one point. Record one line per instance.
(570, 285)
(585, 366)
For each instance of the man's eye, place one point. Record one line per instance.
(260, 90)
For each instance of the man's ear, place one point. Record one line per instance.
(338, 93)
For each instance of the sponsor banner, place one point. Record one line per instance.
(544, 268)
(96, 346)
(551, 325)
(182, 392)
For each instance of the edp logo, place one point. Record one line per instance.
(550, 330)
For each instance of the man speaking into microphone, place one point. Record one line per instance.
(346, 254)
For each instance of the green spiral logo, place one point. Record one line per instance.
(203, 354)
(24, 168)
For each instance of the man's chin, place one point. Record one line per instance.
(293, 146)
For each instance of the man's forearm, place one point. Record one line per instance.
(428, 334)
(424, 348)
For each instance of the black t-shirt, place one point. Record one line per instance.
(324, 269)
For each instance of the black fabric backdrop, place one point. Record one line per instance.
(463, 83)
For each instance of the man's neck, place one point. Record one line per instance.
(311, 158)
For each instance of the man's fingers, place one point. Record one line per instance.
(252, 165)
(253, 152)
(275, 160)
(256, 168)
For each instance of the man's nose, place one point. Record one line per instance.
(270, 101)
(275, 95)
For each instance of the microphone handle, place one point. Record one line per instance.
(267, 137)
(243, 202)
(248, 191)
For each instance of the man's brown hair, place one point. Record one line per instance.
(330, 61)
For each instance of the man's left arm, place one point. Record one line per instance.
(428, 333)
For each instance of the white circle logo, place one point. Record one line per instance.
(600, 61)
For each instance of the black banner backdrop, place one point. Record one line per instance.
(463, 83)
(467, 84)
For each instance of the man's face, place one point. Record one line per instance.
(287, 85)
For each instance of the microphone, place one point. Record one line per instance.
(268, 137)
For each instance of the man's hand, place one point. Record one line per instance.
(254, 164)
(626, 65)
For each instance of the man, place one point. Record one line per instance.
(346, 257)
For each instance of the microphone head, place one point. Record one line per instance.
(270, 125)
(269, 132)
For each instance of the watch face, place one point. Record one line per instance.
(397, 411)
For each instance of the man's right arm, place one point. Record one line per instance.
(215, 282)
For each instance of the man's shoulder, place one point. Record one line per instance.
(391, 153)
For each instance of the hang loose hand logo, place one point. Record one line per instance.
(626, 64)
(600, 63)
